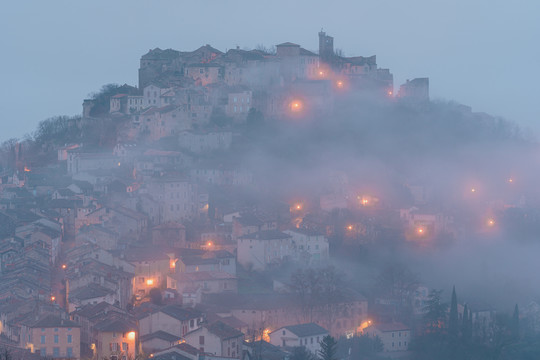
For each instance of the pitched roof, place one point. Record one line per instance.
(309, 329)
(205, 276)
(223, 331)
(180, 313)
(266, 235)
(115, 325)
(389, 327)
(51, 321)
(160, 335)
(287, 44)
(90, 291)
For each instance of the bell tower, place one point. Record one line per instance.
(326, 47)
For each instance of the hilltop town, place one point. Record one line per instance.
(145, 229)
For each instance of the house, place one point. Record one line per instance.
(341, 317)
(248, 223)
(239, 103)
(90, 315)
(81, 160)
(172, 319)
(52, 336)
(91, 294)
(394, 336)
(91, 270)
(308, 335)
(98, 234)
(151, 268)
(177, 197)
(116, 339)
(264, 248)
(209, 282)
(415, 90)
(205, 141)
(217, 339)
(311, 247)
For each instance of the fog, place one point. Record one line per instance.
(479, 54)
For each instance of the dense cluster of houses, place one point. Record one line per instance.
(144, 249)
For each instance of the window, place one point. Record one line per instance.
(392, 344)
(43, 351)
(56, 351)
(69, 352)
(399, 334)
(69, 339)
(55, 329)
(201, 340)
(311, 341)
(124, 346)
(43, 339)
(283, 332)
(114, 334)
(393, 334)
(399, 344)
(191, 323)
(56, 339)
(114, 346)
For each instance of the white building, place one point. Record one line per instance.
(311, 247)
(263, 248)
(308, 335)
(394, 336)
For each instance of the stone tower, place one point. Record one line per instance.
(326, 47)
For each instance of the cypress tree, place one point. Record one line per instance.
(465, 322)
(328, 348)
(453, 322)
(515, 323)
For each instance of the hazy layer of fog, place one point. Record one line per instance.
(480, 53)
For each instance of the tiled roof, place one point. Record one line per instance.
(90, 291)
(266, 235)
(115, 325)
(303, 330)
(223, 331)
(160, 335)
(181, 313)
(389, 327)
(52, 321)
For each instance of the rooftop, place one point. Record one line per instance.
(303, 330)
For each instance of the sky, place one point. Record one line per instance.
(482, 53)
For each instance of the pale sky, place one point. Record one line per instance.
(482, 53)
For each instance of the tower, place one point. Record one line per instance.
(326, 47)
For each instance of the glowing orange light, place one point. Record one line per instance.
(119, 164)
(53, 298)
(173, 264)
(209, 243)
(26, 169)
(365, 324)
(390, 93)
(365, 202)
(149, 282)
(321, 73)
(64, 266)
(510, 180)
(491, 222)
(339, 84)
(131, 335)
(420, 231)
(296, 106)
(473, 190)
(350, 227)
